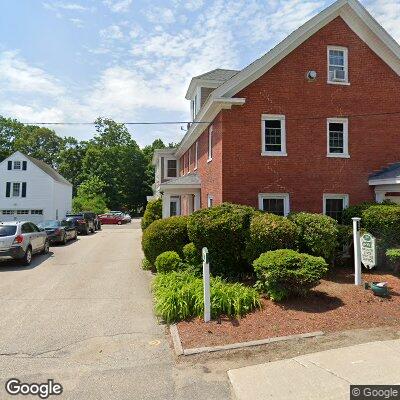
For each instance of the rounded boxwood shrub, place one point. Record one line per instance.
(355, 210)
(223, 229)
(383, 221)
(191, 255)
(152, 213)
(164, 235)
(317, 234)
(168, 261)
(285, 272)
(269, 232)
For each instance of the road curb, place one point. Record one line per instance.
(199, 350)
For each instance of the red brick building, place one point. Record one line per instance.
(312, 125)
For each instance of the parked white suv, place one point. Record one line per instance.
(20, 240)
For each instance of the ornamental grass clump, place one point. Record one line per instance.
(179, 296)
(282, 273)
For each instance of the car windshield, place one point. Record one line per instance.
(48, 224)
(7, 230)
(65, 222)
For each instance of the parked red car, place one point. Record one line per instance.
(111, 219)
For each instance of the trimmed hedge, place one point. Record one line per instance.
(355, 210)
(169, 234)
(383, 221)
(317, 234)
(168, 261)
(393, 255)
(282, 273)
(179, 295)
(270, 232)
(152, 213)
(224, 230)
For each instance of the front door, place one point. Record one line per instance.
(174, 208)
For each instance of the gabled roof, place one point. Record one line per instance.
(354, 15)
(44, 167)
(189, 180)
(388, 175)
(211, 79)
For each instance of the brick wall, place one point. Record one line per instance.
(306, 173)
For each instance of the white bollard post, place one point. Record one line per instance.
(206, 285)
(357, 250)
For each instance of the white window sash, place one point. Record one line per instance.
(210, 144)
(273, 117)
(283, 196)
(334, 196)
(345, 122)
(196, 155)
(346, 65)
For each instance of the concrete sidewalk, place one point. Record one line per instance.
(326, 375)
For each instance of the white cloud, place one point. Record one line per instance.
(118, 5)
(387, 12)
(35, 114)
(16, 75)
(113, 32)
(64, 6)
(160, 15)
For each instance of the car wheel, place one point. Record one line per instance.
(87, 231)
(26, 260)
(119, 222)
(76, 235)
(46, 247)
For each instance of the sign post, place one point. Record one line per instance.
(206, 285)
(357, 250)
(368, 250)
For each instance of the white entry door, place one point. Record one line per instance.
(174, 206)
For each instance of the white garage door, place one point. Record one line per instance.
(34, 216)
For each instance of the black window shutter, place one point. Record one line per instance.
(9, 165)
(8, 189)
(23, 189)
(24, 165)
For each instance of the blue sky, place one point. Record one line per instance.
(132, 60)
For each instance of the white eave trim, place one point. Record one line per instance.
(207, 113)
(387, 181)
(175, 187)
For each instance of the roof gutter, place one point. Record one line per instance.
(207, 114)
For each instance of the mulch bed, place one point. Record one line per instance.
(334, 305)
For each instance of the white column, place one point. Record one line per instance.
(166, 199)
(197, 201)
(379, 196)
(357, 250)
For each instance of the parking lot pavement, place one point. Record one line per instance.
(82, 315)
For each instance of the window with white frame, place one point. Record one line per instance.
(210, 143)
(8, 212)
(196, 155)
(210, 200)
(16, 189)
(189, 158)
(22, 212)
(171, 168)
(274, 203)
(334, 204)
(338, 65)
(338, 137)
(273, 135)
(17, 164)
(36, 212)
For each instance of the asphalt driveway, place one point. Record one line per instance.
(83, 316)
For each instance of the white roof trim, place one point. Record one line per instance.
(387, 181)
(206, 83)
(355, 16)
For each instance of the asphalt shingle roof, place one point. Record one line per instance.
(393, 171)
(48, 170)
(218, 74)
(190, 179)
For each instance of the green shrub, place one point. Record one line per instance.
(146, 265)
(355, 210)
(317, 234)
(191, 255)
(179, 295)
(270, 232)
(169, 234)
(223, 229)
(393, 255)
(383, 221)
(344, 236)
(152, 213)
(282, 273)
(168, 261)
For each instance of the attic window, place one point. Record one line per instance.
(17, 164)
(338, 65)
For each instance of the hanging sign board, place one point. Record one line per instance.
(368, 250)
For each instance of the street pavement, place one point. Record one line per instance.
(83, 316)
(324, 375)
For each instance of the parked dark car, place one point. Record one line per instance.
(84, 222)
(59, 231)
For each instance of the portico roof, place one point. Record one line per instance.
(186, 181)
(386, 176)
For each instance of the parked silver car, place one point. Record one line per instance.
(20, 240)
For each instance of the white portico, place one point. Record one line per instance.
(387, 184)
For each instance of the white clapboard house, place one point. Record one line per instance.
(31, 190)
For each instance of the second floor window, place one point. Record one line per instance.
(210, 143)
(196, 154)
(337, 65)
(171, 168)
(16, 188)
(273, 135)
(338, 137)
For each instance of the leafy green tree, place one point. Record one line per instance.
(90, 196)
(9, 129)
